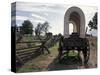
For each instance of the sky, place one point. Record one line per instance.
(52, 13)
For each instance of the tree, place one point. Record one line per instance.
(45, 27)
(27, 27)
(42, 29)
(93, 23)
(38, 29)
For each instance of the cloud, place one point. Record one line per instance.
(46, 14)
(39, 21)
(39, 17)
(21, 18)
(36, 20)
(38, 7)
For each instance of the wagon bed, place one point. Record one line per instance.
(74, 42)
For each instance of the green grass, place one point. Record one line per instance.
(72, 53)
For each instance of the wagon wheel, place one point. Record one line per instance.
(88, 50)
(86, 53)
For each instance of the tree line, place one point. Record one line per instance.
(28, 28)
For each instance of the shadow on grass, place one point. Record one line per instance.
(66, 63)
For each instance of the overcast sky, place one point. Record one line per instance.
(52, 13)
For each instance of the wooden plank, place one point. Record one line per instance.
(29, 41)
(28, 48)
(26, 52)
(19, 59)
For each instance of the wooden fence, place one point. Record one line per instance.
(27, 53)
(23, 55)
